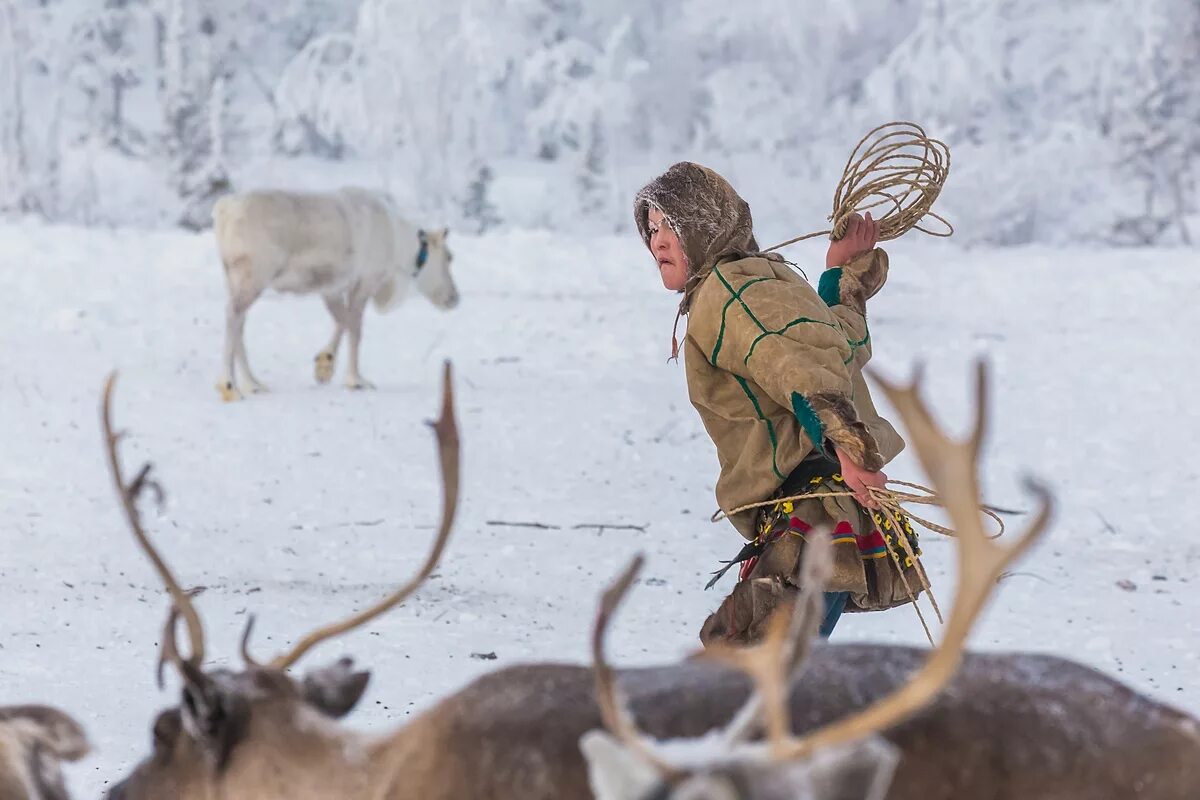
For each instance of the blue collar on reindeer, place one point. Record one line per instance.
(423, 252)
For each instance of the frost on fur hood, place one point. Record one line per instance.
(712, 221)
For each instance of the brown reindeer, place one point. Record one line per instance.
(34, 740)
(942, 726)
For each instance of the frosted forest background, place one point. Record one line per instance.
(1068, 122)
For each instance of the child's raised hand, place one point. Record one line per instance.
(861, 236)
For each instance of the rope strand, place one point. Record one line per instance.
(887, 499)
(890, 507)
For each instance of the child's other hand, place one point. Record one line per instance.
(861, 236)
(860, 480)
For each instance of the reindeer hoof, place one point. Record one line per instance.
(229, 392)
(324, 367)
(258, 388)
(359, 384)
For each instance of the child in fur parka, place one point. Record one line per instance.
(774, 368)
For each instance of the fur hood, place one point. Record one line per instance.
(710, 218)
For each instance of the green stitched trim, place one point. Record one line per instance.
(808, 419)
(830, 287)
(738, 295)
(793, 323)
(770, 428)
(724, 311)
(855, 345)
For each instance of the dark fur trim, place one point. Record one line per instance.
(743, 616)
(850, 434)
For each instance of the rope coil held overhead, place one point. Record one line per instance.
(895, 165)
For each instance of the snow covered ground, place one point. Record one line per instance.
(304, 504)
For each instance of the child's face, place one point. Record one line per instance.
(664, 244)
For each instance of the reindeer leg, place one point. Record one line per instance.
(244, 289)
(326, 359)
(354, 319)
(235, 321)
(253, 383)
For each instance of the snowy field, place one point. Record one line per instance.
(306, 503)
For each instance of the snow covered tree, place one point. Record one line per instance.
(429, 71)
(1156, 123)
(105, 70)
(319, 99)
(193, 92)
(580, 99)
(205, 184)
(13, 159)
(32, 73)
(478, 211)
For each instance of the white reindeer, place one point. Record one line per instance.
(350, 246)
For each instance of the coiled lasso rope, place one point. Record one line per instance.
(895, 165)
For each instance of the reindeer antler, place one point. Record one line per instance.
(189, 670)
(448, 449)
(952, 468)
(774, 662)
(129, 493)
(613, 709)
(247, 632)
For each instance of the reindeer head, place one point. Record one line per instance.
(862, 771)
(848, 758)
(724, 765)
(260, 731)
(433, 268)
(34, 740)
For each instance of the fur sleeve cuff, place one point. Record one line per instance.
(855, 283)
(846, 430)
